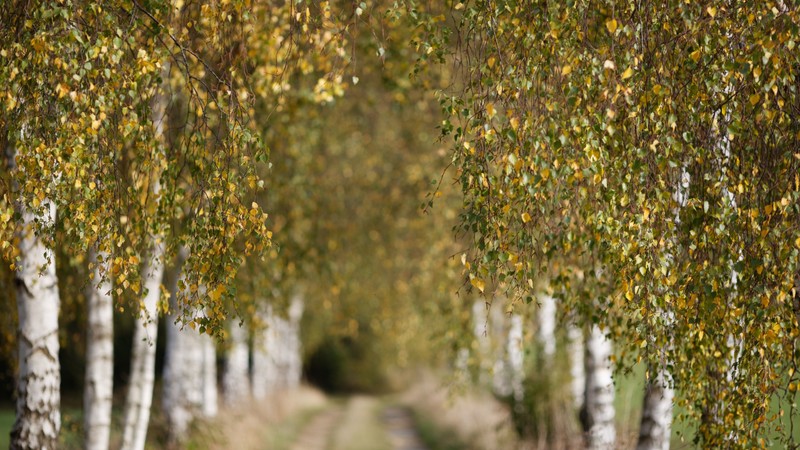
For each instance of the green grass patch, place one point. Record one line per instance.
(7, 415)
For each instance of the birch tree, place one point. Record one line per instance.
(143, 363)
(99, 384)
(655, 428)
(598, 404)
(577, 371)
(38, 418)
(571, 124)
(547, 325)
(143, 355)
(236, 377)
(265, 370)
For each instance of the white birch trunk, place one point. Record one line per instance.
(656, 422)
(599, 401)
(281, 351)
(210, 405)
(576, 356)
(235, 379)
(189, 382)
(516, 356)
(264, 364)
(501, 372)
(38, 419)
(655, 428)
(99, 381)
(143, 359)
(547, 325)
(183, 378)
(481, 333)
(295, 348)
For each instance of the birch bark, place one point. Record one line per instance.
(599, 402)
(264, 363)
(190, 377)
(295, 347)
(99, 380)
(501, 372)
(516, 355)
(143, 359)
(655, 428)
(483, 338)
(236, 382)
(38, 418)
(547, 325)
(576, 351)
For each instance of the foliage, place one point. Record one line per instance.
(573, 125)
(80, 82)
(349, 171)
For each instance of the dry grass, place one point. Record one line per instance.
(276, 420)
(475, 417)
(361, 428)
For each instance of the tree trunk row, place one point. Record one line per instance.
(591, 384)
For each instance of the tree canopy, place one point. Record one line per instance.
(650, 149)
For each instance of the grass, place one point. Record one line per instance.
(435, 436)
(472, 419)
(280, 436)
(360, 428)
(6, 422)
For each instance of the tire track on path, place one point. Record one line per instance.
(401, 429)
(317, 434)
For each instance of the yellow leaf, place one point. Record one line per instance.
(526, 217)
(478, 283)
(695, 55)
(627, 74)
(490, 109)
(754, 99)
(566, 70)
(63, 90)
(611, 25)
(712, 11)
(217, 293)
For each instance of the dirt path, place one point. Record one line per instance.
(317, 434)
(360, 423)
(401, 429)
